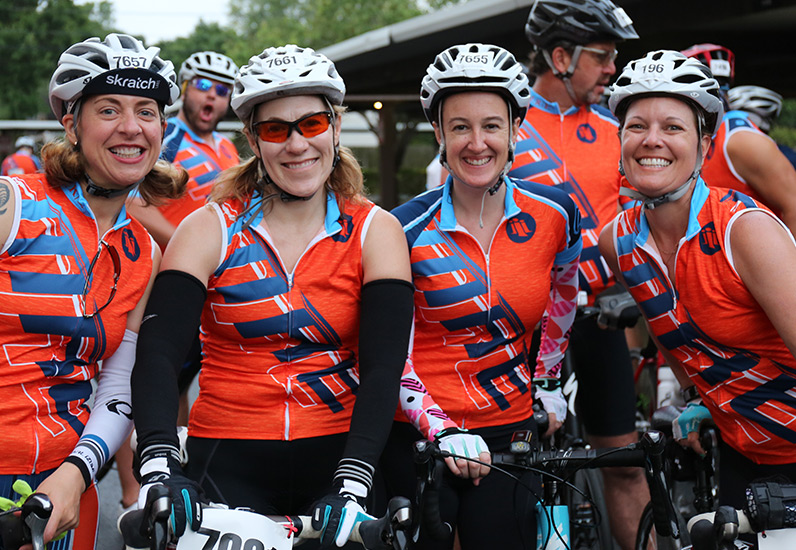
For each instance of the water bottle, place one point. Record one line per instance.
(668, 387)
(552, 538)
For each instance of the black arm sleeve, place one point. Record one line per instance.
(385, 323)
(170, 324)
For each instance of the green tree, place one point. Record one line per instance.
(318, 23)
(204, 37)
(33, 35)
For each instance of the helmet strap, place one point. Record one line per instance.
(653, 202)
(94, 189)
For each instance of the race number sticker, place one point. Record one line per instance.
(622, 17)
(224, 529)
(720, 67)
(470, 58)
(129, 62)
(281, 61)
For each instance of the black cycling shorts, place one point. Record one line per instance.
(606, 399)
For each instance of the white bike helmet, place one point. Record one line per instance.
(761, 102)
(25, 141)
(667, 72)
(285, 71)
(128, 67)
(209, 65)
(476, 68)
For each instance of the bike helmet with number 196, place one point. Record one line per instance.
(209, 65)
(285, 71)
(669, 74)
(120, 64)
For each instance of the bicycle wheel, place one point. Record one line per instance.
(589, 529)
(648, 539)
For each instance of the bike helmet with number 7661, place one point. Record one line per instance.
(285, 71)
(120, 64)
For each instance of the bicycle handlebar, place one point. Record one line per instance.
(25, 524)
(647, 453)
(140, 530)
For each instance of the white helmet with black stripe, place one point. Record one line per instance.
(119, 64)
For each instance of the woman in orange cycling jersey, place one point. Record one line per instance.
(713, 271)
(302, 286)
(75, 273)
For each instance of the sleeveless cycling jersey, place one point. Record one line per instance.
(20, 163)
(576, 151)
(712, 324)
(718, 170)
(288, 339)
(50, 351)
(203, 163)
(475, 312)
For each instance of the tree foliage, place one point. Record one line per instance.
(33, 35)
(318, 23)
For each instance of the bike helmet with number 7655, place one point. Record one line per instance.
(475, 68)
(285, 71)
(120, 64)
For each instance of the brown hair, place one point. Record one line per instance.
(64, 164)
(241, 181)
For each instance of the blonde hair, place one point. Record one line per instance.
(239, 182)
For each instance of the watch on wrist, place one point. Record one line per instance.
(689, 394)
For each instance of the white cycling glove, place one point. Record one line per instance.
(461, 443)
(554, 402)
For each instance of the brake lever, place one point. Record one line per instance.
(36, 511)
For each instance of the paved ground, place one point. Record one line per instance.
(110, 508)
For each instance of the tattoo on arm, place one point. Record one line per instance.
(5, 196)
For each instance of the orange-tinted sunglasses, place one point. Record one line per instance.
(277, 131)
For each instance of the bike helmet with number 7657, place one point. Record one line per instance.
(120, 64)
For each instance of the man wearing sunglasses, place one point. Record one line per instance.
(568, 141)
(191, 140)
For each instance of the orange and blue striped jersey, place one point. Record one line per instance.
(577, 151)
(280, 348)
(710, 322)
(718, 170)
(475, 311)
(50, 351)
(20, 163)
(183, 147)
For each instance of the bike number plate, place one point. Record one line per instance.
(222, 529)
(777, 539)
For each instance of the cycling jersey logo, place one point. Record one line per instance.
(347, 228)
(586, 133)
(708, 240)
(521, 228)
(130, 245)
